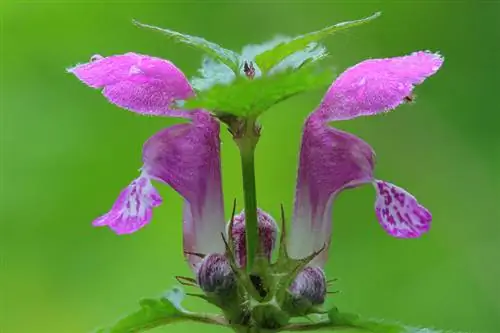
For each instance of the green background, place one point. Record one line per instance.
(66, 154)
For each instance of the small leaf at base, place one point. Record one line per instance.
(158, 312)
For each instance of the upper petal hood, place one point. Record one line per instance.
(376, 85)
(139, 83)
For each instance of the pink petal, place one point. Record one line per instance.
(268, 231)
(187, 157)
(330, 161)
(136, 82)
(376, 85)
(399, 212)
(133, 208)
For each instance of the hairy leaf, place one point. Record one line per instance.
(249, 98)
(274, 56)
(152, 313)
(229, 58)
(158, 312)
(212, 73)
(360, 324)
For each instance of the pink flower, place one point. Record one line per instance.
(187, 158)
(332, 160)
(184, 156)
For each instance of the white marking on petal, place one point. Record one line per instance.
(134, 70)
(133, 208)
(140, 199)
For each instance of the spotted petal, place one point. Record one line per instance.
(133, 208)
(399, 212)
(187, 157)
(376, 85)
(139, 83)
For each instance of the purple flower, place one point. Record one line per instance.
(184, 156)
(332, 160)
(187, 158)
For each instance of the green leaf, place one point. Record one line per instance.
(229, 58)
(272, 57)
(212, 73)
(312, 52)
(337, 318)
(152, 313)
(249, 98)
(159, 312)
(359, 324)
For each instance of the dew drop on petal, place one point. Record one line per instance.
(96, 57)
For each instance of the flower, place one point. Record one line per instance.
(332, 160)
(184, 156)
(187, 158)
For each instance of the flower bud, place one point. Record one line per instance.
(268, 231)
(310, 285)
(215, 275)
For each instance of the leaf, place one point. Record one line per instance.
(353, 321)
(229, 58)
(212, 73)
(249, 98)
(272, 57)
(312, 52)
(152, 313)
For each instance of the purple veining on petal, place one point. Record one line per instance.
(187, 157)
(376, 85)
(330, 161)
(399, 212)
(139, 83)
(133, 208)
(268, 231)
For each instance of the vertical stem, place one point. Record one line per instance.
(247, 144)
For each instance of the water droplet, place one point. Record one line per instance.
(96, 57)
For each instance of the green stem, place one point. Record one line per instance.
(247, 143)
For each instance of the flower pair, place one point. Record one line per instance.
(187, 156)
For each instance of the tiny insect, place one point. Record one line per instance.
(410, 98)
(249, 70)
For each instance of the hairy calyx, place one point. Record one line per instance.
(273, 291)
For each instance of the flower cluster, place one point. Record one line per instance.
(187, 157)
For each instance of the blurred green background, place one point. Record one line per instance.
(66, 154)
